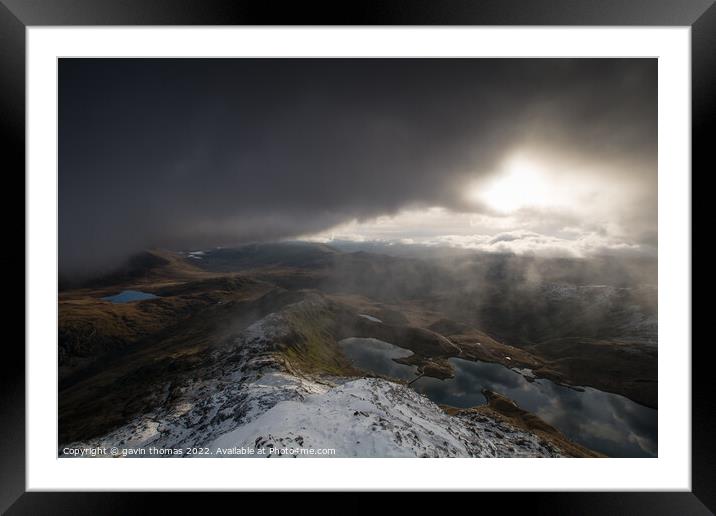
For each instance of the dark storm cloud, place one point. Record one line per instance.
(192, 153)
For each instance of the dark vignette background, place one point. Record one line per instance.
(16, 14)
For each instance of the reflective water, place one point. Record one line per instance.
(377, 357)
(127, 296)
(605, 422)
(609, 423)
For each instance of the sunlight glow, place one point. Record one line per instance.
(522, 184)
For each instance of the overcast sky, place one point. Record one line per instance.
(547, 156)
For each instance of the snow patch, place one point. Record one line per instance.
(370, 318)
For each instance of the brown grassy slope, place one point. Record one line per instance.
(407, 312)
(151, 266)
(122, 385)
(311, 345)
(612, 366)
(478, 345)
(89, 327)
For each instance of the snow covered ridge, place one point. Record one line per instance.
(371, 417)
(247, 401)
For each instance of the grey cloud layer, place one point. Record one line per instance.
(187, 153)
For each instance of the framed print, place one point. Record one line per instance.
(430, 248)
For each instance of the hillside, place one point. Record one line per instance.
(250, 394)
(266, 324)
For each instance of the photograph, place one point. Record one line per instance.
(357, 257)
(406, 243)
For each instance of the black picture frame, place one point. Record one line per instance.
(16, 15)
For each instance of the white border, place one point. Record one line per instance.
(670, 471)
